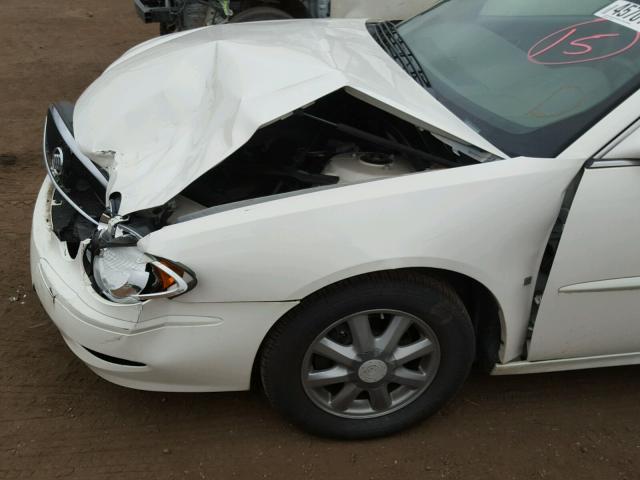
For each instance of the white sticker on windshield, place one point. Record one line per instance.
(622, 12)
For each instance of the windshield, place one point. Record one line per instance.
(529, 75)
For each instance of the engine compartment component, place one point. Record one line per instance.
(364, 166)
(337, 140)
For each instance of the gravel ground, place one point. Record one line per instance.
(57, 419)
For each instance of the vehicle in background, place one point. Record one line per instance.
(379, 9)
(178, 15)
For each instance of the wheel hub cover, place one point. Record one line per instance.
(372, 371)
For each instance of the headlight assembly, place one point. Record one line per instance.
(127, 275)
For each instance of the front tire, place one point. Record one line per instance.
(369, 356)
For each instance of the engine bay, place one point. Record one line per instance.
(337, 140)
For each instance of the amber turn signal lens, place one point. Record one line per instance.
(164, 278)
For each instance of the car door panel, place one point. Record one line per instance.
(591, 303)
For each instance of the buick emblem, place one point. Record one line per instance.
(372, 371)
(57, 161)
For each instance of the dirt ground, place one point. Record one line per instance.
(57, 419)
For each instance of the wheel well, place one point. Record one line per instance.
(481, 305)
(484, 311)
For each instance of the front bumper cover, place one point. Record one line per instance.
(175, 346)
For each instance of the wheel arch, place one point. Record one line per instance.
(481, 304)
(296, 8)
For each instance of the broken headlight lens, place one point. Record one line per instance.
(127, 275)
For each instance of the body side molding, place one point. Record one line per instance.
(612, 285)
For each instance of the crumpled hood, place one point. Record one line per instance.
(172, 108)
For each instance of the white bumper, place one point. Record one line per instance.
(160, 345)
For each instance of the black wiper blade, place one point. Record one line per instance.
(387, 36)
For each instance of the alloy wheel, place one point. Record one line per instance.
(371, 363)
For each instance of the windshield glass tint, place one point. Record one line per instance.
(529, 75)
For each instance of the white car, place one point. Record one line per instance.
(350, 212)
